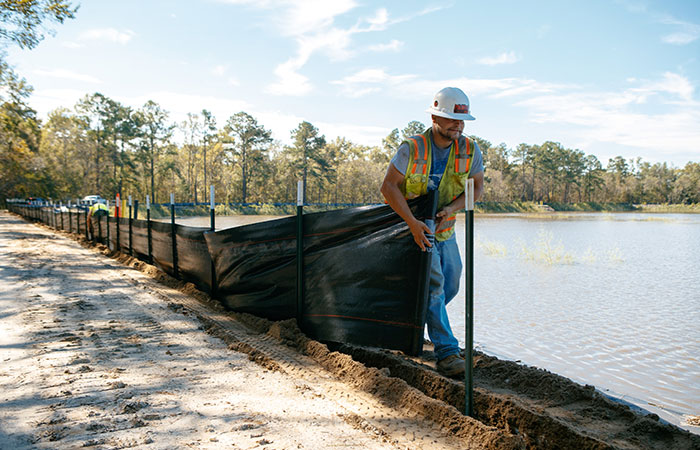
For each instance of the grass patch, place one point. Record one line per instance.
(693, 208)
(507, 207)
(592, 207)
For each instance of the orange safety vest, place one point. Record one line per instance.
(453, 180)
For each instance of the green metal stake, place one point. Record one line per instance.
(148, 228)
(212, 214)
(107, 221)
(131, 248)
(117, 216)
(173, 234)
(469, 310)
(300, 251)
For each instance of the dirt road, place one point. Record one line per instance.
(105, 353)
(97, 354)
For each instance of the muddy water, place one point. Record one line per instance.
(611, 300)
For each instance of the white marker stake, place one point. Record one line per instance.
(300, 193)
(470, 194)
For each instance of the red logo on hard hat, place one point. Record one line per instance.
(462, 109)
(435, 104)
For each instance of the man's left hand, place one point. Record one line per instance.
(443, 214)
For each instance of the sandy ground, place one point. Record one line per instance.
(95, 354)
(98, 352)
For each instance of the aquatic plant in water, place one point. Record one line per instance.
(491, 248)
(545, 250)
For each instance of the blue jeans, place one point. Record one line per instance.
(445, 274)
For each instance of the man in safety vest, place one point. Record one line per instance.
(97, 209)
(441, 158)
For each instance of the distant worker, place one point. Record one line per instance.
(441, 158)
(97, 209)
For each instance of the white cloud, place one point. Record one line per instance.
(311, 16)
(687, 32)
(67, 74)
(290, 82)
(672, 83)
(624, 118)
(108, 34)
(393, 46)
(359, 134)
(658, 116)
(46, 100)
(179, 104)
(233, 81)
(503, 58)
(379, 22)
(680, 38)
(368, 81)
(312, 24)
(218, 70)
(371, 80)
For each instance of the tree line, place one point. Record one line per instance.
(101, 146)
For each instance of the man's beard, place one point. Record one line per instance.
(444, 135)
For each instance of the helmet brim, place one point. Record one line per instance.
(446, 115)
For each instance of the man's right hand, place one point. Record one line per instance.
(419, 231)
(392, 193)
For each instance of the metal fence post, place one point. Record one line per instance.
(107, 222)
(131, 248)
(300, 251)
(469, 309)
(173, 234)
(212, 224)
(148, 228)
(117, 214)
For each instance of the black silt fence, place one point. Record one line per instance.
(364, 277)
(365, 280)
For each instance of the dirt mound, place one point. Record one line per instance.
(516, 404)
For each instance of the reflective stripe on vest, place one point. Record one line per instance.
(419, 147)
(462, 157)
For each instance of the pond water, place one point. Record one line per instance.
(611, 300)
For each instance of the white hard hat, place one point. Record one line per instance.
(451, 103)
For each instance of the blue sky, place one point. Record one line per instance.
(606, 77)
